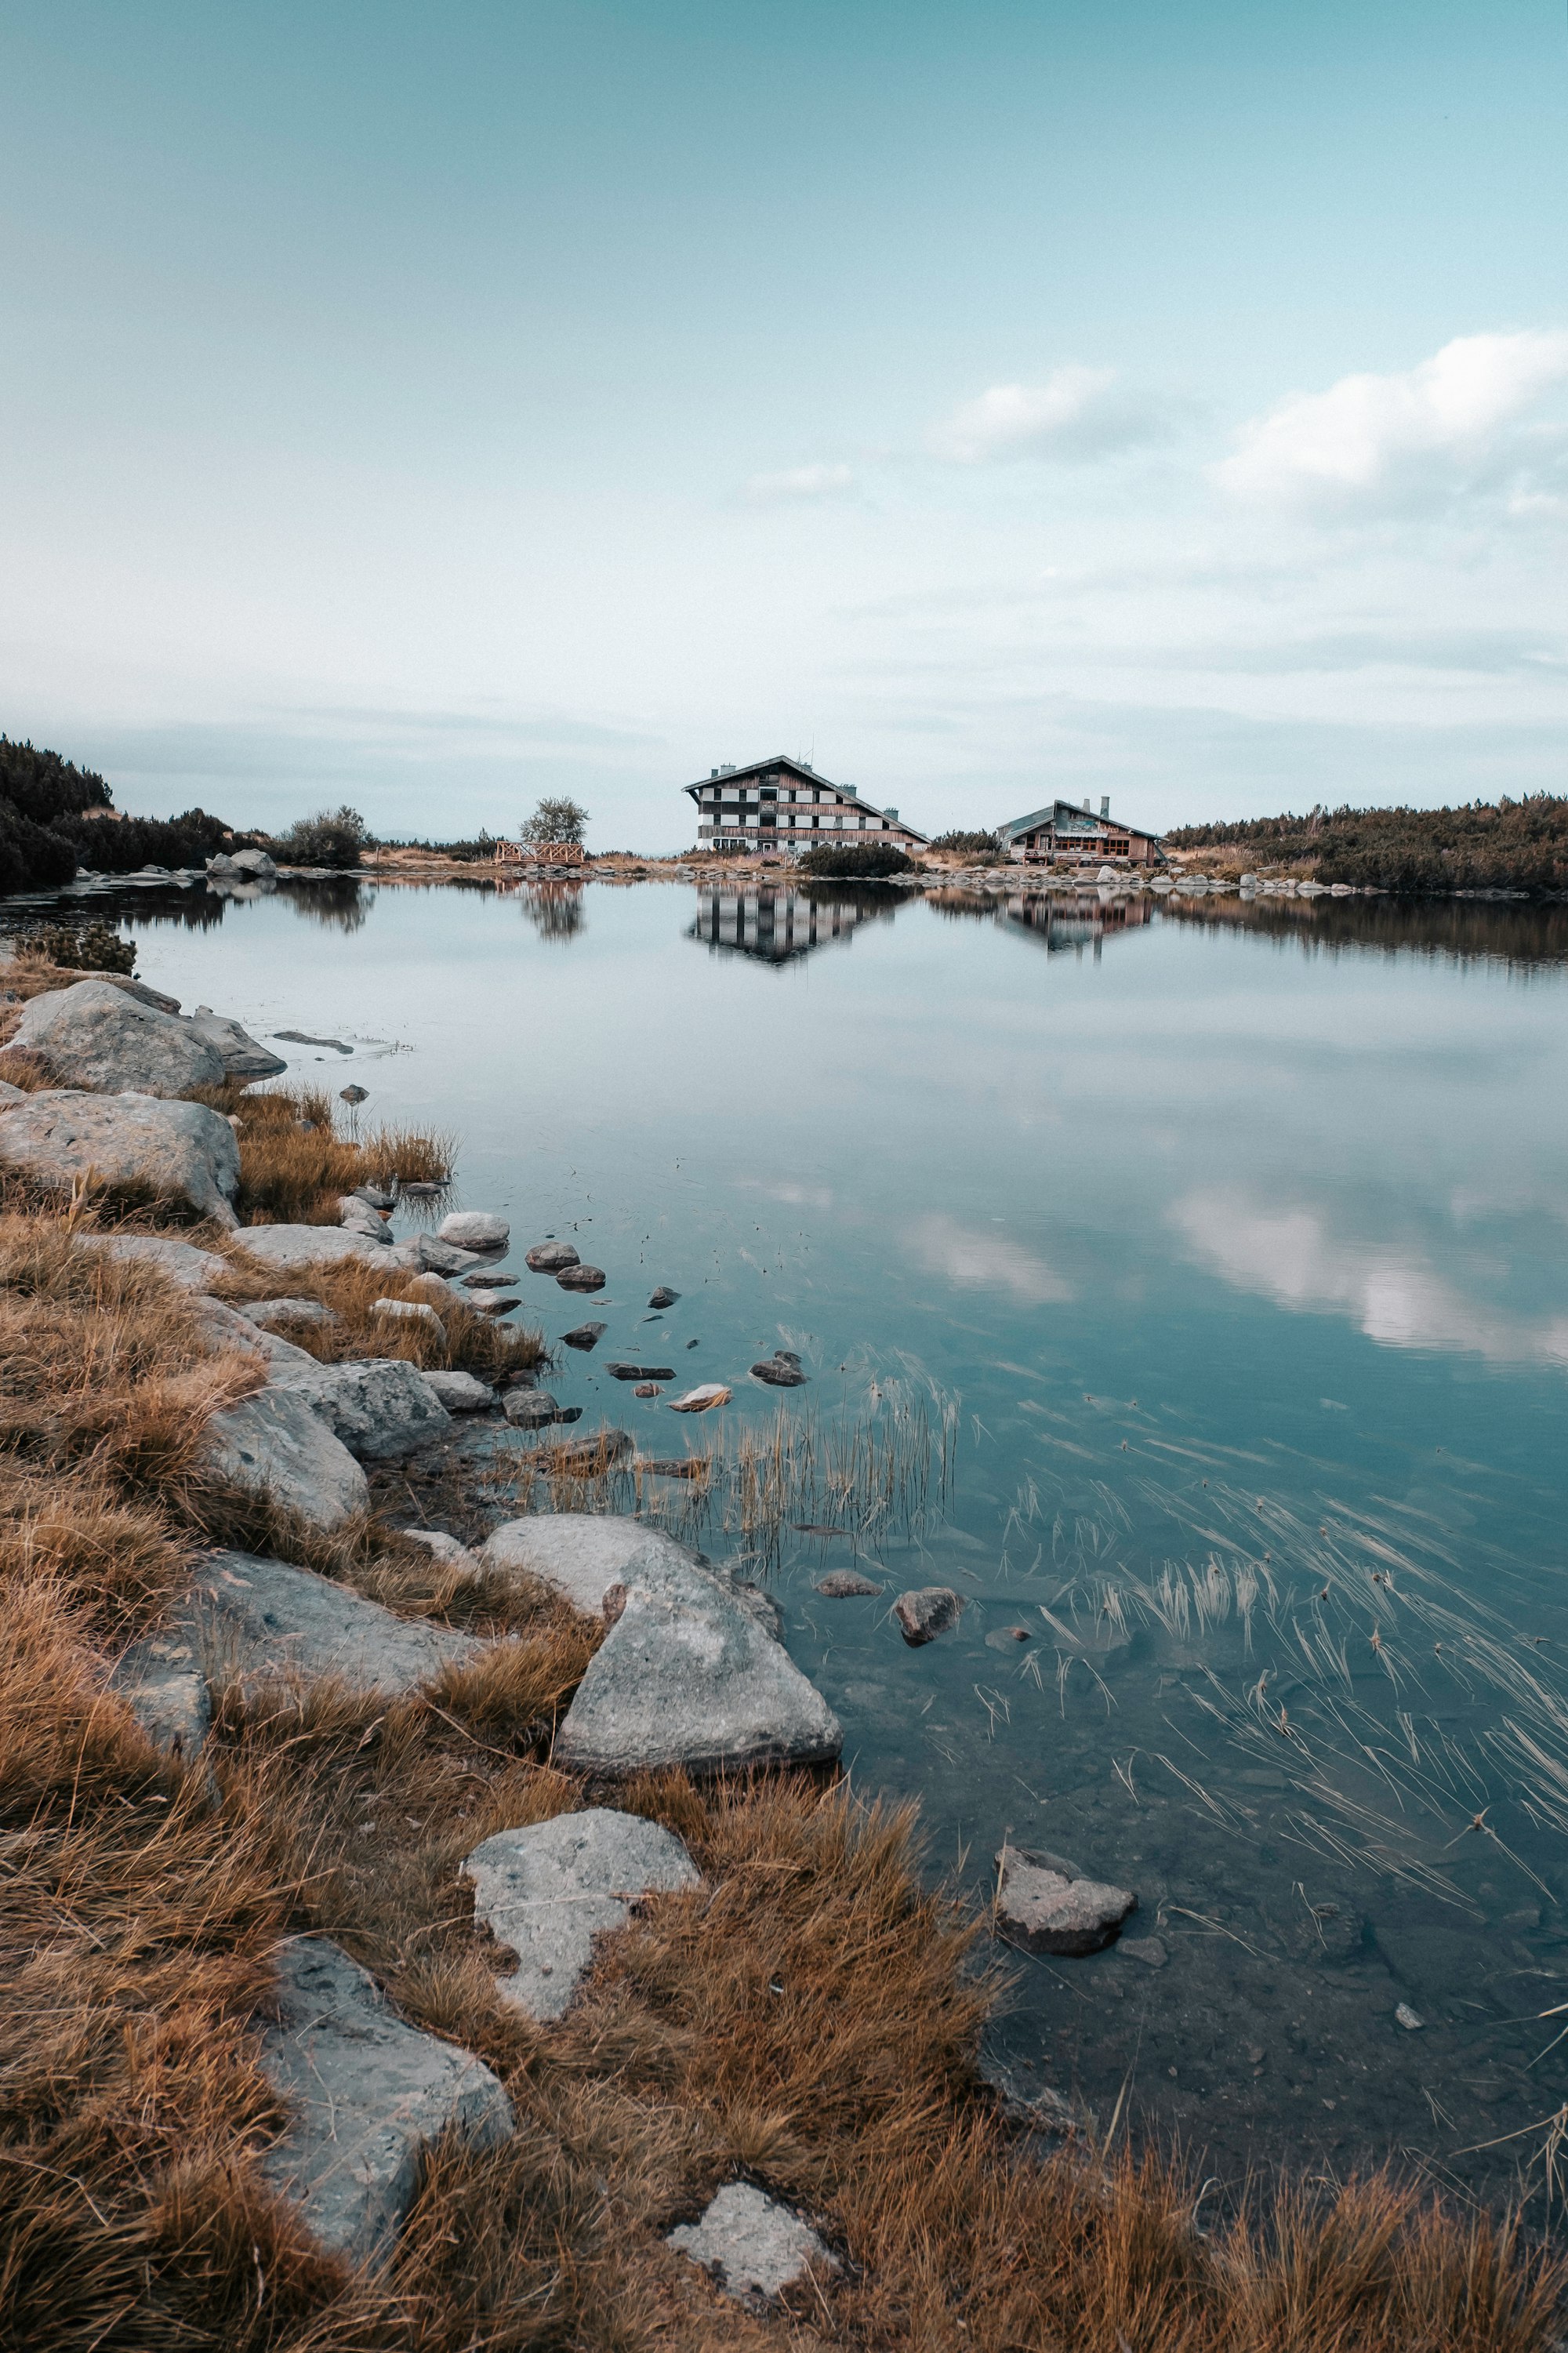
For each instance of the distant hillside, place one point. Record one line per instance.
(56, 816)
(1515, 846)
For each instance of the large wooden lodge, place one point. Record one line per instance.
(783, 805)
(1066, 832)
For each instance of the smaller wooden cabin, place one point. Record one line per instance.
(1072, 834)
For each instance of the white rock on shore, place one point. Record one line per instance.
(549, 1890)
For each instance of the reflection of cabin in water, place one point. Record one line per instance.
(783, 805)
(1058, 920)
(1077, 835)
(775, 926)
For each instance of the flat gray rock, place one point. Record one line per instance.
(549, 1890)
(163, 1682)
(380, 1407)
(582, 1554)
(752, 2246)
(243, 1056)
(475, 1229)
(283, 1249)
(926, 1612)
(192, 1269)
(179, 1151)
(270, 1313)
(1045, 1905)
(267, 1617)
(461, 1392)
(548, 1257)
(687, 1677)
(97, 1036)
(367, 2092)
(274, 1444)
(581, 1278)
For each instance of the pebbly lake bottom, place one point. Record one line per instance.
(1191, 1294)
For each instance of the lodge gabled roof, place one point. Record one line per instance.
(807, 775)
(1081, 817)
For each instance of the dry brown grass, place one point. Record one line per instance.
(474, 1342)
(294, 1164)
(808, 2018)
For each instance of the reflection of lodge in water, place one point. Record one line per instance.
(1080, 919)
(775, 925)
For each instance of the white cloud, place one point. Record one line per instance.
(1078, 413)
(982, 1261)
(1389, 1289)
(1423, 434)
(800, 485)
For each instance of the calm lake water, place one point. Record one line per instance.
(1224, 1254)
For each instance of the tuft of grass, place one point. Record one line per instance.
(474, 1342)
(294, 1165)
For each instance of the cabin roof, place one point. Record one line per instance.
(1081, 816)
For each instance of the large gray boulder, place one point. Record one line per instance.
(284, 1250)
(192, 1269)
(368, 2092)
(263, 1617)
(582, 1555)
(256, 863)
(274, 1444)
(549, 1890)
(244, 1057)
(381, 1407)
(179, 1151)
(95, 1035)
(688, 1677)
(752, 2246)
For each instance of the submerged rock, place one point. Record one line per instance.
(640, 1372)
(367, 2092)
(584, 1458)
(780, 1371)
(843, 1584)
(753, 2247)
(475, 1229)
(549, 1258)
(686, 1677)
(95, 1035)
(489, 1278)
(927, 1612)
(581, 1278)
(549, 1890)
(275, 1445)
(177, 1151)
(584, 1336)
(1047, 1906)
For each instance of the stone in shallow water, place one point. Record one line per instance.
(549, 1890)
(581, 1278)
(475, 1229)
(780, 1371)
(843, 1584)
(461, 1392)
(1044, 1906)
(368, 2092)
(640, 1372)
(549, 1258)
(927, 1612)
(664, 1296)
(754, 2246)
(530, 1408)
(701, 1399)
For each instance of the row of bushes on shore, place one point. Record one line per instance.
(1515, 845)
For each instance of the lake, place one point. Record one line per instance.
(1190, 1284)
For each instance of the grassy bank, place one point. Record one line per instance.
(1512, 846)
(809, 2019)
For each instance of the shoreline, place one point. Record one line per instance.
(806, 2021)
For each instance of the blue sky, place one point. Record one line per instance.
(434, 407)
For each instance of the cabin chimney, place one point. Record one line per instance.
(1105, 805)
